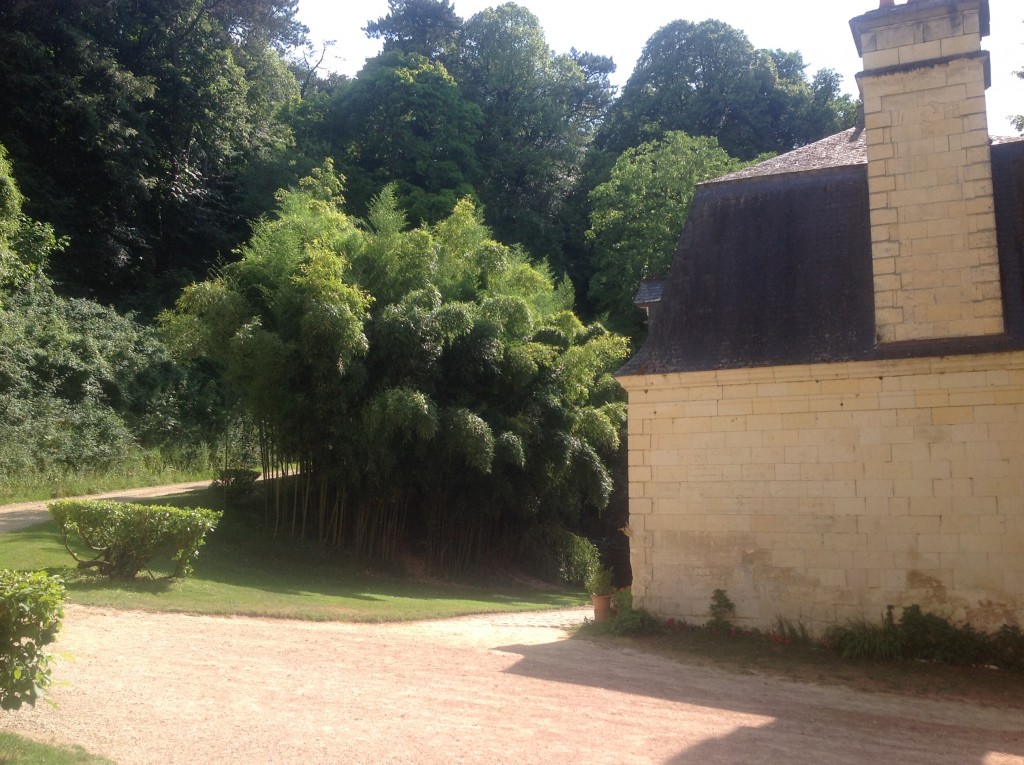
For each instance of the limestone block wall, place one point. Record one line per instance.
(933, 229)
(932, 212)
(827, 492)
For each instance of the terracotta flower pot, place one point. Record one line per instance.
(602, 607)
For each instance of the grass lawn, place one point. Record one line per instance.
(240, 572)
(16, 750)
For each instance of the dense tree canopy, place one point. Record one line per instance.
(707, 79)
(128, 122)
(430, 383)
(426, 27)
(540, 111)
(405, 120)
(81, 387)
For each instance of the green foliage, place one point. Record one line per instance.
(236, 484)
(425, 27)
(18, 750)
(405, 121)
(124, 538)
(540, 113)
(722, 611)
(132, 122)
(638, 214)
(922, 636)
(31, 609)
(83, 389)
(706, 79)
(25, 245)
(785, 631)
(862, 639)
(426, 381)
(599, 581)
(578, 558)
(636, 622)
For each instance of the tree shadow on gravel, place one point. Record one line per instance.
(809, 723)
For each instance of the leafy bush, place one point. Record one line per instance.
(600, 581)
(31, 607)
(126, 537)
(629, 620)
(922, 636)
(553, 553)
(578, 557)
(722, 611)
(861, 639)
(236, 483)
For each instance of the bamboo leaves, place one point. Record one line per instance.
(426, 381)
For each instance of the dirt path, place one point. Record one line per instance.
(163, 688)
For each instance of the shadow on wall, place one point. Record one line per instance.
(723, 717)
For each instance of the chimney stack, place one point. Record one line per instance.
(933, 233)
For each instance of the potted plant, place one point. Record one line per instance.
(599, 584)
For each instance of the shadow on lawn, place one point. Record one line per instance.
(238, 554)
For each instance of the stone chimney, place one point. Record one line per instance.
(933, 231)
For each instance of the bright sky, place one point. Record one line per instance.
(819, 29)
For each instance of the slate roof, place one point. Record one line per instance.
(839, 150)
(774, 267)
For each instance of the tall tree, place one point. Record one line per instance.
(426, 27)
(540, 110)
(129, 121)
(639, 213)
(404, 120)
(707, 79)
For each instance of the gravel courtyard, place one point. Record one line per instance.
(164, 688)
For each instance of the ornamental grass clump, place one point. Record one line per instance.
(31, 607)
(119, 539)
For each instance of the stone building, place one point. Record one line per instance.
(827, 417)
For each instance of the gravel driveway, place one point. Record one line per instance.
(165, 688)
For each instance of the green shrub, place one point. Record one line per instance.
(600, 581)
(861, 639)
(578, 557)
(236, 483)
(629, 620)
(722, 611)
(124, 538)
(553, 553)
(923, 636)
(31, 607)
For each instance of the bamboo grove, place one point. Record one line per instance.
(414, 388)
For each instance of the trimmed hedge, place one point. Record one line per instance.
(126, 537)
(31, 607)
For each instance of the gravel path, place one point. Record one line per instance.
(167, 688)
(13, 517)
(164, 688)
